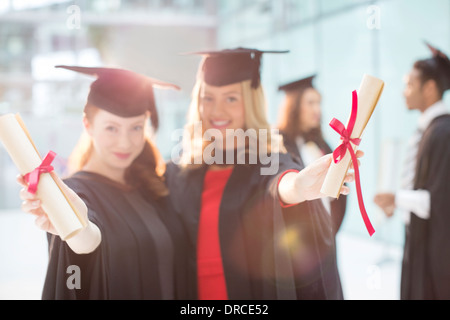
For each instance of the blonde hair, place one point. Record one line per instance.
(145, 171)
(82, 151)
(255, 108)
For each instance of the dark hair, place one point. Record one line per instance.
(146, 172)
(436, 70)
(289, 120)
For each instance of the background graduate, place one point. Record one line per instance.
(133, 247)
(250, 238)
(425, 197)
(300, 126)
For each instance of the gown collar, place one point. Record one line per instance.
(434, 111)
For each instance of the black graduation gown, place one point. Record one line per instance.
(268, 252)
(337, 206)
(426, 260)
(141, 255)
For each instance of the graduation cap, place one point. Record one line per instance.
(220, 68)
(122, 92)
(298, 84)
(440, 64)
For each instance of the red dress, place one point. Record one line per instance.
(211, 278)
(210, 274)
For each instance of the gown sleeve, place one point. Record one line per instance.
(70, 275)
(434, 176)
(304, 245)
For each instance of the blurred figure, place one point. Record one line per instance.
(425, 193)
(300, 126)
(133, 247)
(250, 233)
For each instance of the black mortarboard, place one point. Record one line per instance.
(122, 92)
(220, 68)
(298, 84)
(440, 63)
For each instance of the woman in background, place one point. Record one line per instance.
(300, 126)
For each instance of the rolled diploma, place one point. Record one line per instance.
(23, 153)
(368, 95)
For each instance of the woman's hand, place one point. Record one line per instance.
(85, 241)
(32, 204)
(306, 184)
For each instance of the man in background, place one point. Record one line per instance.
(425, 193)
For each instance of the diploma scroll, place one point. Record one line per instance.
(368, 95)
(20, 147)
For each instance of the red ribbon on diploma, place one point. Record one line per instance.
(45, 167)
(340, 151)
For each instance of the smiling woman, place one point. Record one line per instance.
(133, 247)
(227, 109)
(251, 233)
(118, 142)
(222, 107)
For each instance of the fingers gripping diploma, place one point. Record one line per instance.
(306, 184)
(86, 241)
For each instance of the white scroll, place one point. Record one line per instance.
(20, 147)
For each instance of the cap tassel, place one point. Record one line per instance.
(442, 62)
(256, 70)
